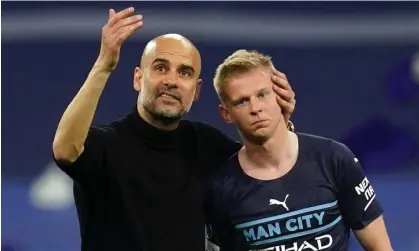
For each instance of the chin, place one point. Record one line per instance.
(258, 137)
(169, 108)
(164, 112)
(261, 136)
(170, 113)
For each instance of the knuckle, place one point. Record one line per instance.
(114, 19)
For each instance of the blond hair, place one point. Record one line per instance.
(240, 62)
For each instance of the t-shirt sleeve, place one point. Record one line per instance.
(88, 167)
(357, 198)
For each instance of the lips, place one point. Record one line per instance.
(259, 121)
(168, 95)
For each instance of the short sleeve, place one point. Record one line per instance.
(88, 167)
(357, 198)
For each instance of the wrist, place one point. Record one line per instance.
(101, 67)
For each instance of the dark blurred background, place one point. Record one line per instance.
(353, 65)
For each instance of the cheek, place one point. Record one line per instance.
(149, 85)
(149, 92)
(274, 106)
(188, 90)
(153, 75)
(145, 88)
(241, 117)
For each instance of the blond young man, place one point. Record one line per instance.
(284, 191)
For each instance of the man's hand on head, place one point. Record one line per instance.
(285, 96)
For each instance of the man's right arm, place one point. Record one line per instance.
(74, 126)
(75, 123)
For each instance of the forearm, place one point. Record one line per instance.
(374, 236)
(75, 123)
(382, 244)
(379, 249)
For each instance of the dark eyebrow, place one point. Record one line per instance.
(182, 66)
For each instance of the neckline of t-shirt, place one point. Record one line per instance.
(153, 135)
(289, 173)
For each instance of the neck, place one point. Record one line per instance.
(158, 123)
(273, 152)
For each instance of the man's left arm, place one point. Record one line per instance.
(358, 203)
(374, 236)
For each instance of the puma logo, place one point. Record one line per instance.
(277, 202)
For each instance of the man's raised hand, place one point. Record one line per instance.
(119, 27)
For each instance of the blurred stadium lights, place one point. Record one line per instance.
(415, 68)
(223, 27)
(52, 190)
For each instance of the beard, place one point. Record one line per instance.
(166, 114)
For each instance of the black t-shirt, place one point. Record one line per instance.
(312, 207)
(140, 188)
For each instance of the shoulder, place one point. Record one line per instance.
(225, 175)
(111, 131)
(203, 128)
(214, 134)
(217, 139)
(106, 130)
(324, 146)
(101, 133)
(333, 157)
(199, 131)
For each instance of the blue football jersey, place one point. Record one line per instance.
(312, 207)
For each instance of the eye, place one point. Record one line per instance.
(185, 73)
(241, 102)
(263, 94)
(160, 68)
